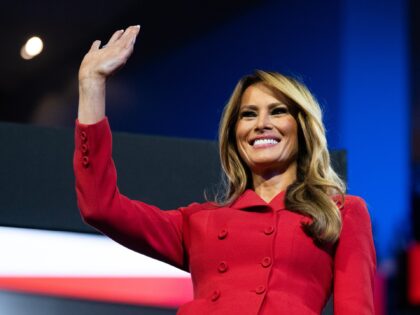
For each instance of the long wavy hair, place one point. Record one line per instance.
(316, 181)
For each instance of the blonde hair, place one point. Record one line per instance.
(316, 181)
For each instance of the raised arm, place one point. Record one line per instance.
(134, 224)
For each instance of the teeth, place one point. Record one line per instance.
(265, 141)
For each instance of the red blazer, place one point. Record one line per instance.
(249, 258)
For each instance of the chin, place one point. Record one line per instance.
(258, 166)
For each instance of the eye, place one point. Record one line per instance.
(279, 110)
(248, 113)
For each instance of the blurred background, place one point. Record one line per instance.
(361, 58)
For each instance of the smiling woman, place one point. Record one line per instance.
(272, 139)
(281, 239)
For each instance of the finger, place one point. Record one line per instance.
(115, 37)
(129, 36)
(133, 36)
(95, 45)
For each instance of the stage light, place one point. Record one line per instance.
(32, 47)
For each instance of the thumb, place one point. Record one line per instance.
(95, 45)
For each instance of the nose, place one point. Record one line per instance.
(263, 121)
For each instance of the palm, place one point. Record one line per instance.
(103, 62)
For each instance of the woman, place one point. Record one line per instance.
(284, 236)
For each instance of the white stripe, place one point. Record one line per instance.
(30, 252)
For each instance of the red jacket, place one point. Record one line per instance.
(248, 258)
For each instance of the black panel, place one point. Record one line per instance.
(37, 180)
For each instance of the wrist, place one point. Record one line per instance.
(89, 86)
(91, 80)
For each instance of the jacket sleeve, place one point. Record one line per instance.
(355, 261)
(134, 224)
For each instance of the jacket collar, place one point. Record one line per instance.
(250, 199)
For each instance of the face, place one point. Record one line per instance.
(266, 130)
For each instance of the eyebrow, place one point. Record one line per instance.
(270, 106)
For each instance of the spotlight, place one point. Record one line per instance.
(33, 47)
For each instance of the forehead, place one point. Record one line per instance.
(261, 93)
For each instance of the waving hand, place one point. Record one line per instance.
(97, 65)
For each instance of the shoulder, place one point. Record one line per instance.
(353, 206)
(196, 207)
(352, 201)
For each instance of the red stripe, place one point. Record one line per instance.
(379, 294)
(161, 292)
(414, 274)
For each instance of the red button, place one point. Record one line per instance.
(266, 262)
(83, 136)
(223, 266)
(215, 295)
(260, 289)
(269, 230)
(84, 148)
(85, 161)
(222, 234)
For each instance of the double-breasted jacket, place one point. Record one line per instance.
(250, 257)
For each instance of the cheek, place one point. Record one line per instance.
(238, 130)
(240, 135)
(291, 128)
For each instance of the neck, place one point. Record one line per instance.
(268, 183)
